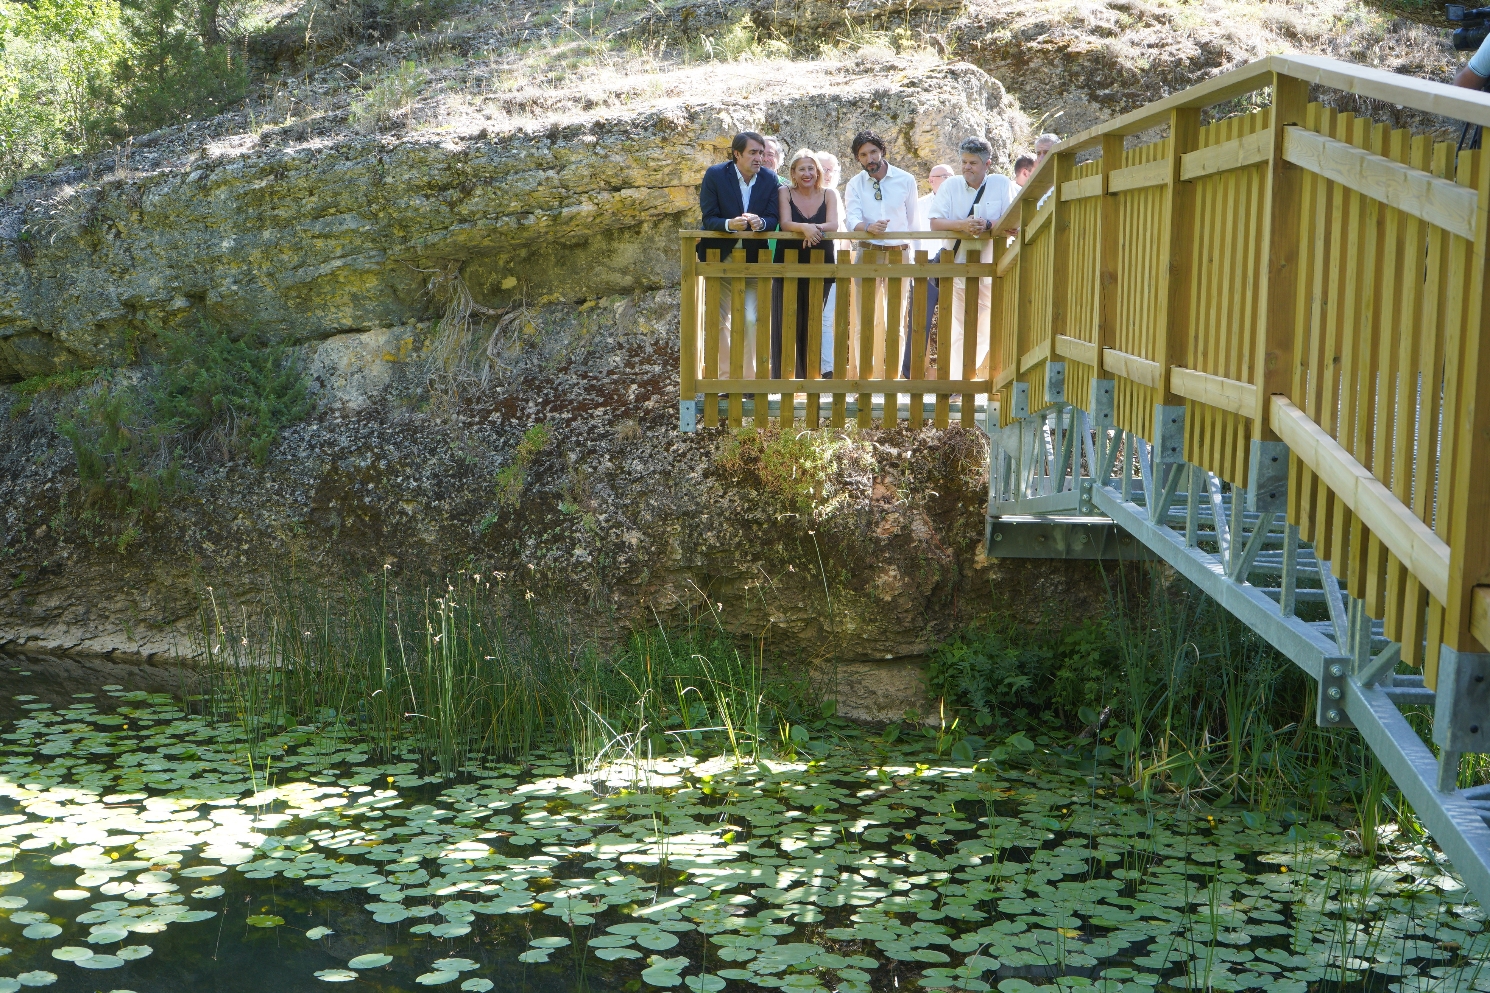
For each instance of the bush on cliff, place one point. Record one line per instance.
(207, 395)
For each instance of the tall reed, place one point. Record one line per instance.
(474, 669)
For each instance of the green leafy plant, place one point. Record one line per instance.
(208, 392)
(512, 477)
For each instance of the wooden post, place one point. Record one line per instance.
(1177, 256)
(1108, 249)
(688, 324)
(1273, 369)
(1061, 250)
(1469, 497)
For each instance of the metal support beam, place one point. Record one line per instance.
(1063, 538)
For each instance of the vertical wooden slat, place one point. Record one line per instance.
(843, 303)
(789, 344)
(1383, 387)
(1109, 239)
(1404, 433)
(918, 337)
(763, 345)
(970, 311)
(737, 349)
(944, 347)
(893, 293)
(814, 319)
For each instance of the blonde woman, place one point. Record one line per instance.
(811, 210)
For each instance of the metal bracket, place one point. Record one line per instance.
(1021, 400)
(1461, 713)
(1330, 711)
(1169, 434)
(688, 415)
(1055, 382)
(1104, 403)
(1267, 477)
(1085, 499)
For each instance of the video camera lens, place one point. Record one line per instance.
(1475, 25)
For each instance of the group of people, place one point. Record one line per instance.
(751, 192)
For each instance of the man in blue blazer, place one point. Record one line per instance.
(738, 195)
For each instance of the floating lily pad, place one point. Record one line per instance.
(335, 975)
(12, 902)
(437, 978)
(207, 892)
(477, 985)
(40, 931)
(317, 933)
(72, 953)
(38, 978)
(265, 920)
(102, 962)
(130, 953)
(455, 965)
(370, 961)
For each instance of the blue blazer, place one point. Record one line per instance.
(719, 199)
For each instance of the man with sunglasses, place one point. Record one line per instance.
(881, 198)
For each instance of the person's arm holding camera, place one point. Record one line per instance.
(1473, 75)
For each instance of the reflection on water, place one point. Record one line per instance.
(146, 849)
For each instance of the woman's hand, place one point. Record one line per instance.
(811, 234)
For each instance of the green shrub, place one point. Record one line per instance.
(207, 393)
(167, 74)
(52, 54)
(512, 477)
(1000, 666)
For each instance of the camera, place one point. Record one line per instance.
(1475, 25)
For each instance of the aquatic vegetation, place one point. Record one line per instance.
(148, 842)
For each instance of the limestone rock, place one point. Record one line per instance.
(349, 232)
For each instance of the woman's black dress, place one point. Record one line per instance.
(804, 319)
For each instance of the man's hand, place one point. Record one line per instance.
(742, 223)
(879, 227)
(974, 226)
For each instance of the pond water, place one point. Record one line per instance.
(144, 848)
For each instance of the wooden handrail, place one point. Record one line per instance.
(1288, 275)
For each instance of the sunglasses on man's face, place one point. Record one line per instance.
(878, 193)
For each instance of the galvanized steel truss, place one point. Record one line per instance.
(1065, 460)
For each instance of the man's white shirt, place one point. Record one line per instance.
(955, 199)
(745, 189)
(898, 203)
(928, 245)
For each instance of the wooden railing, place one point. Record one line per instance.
(1296, 277)
(866, 357)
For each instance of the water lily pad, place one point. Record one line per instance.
(72, 953)
(555, 942)
(535, 955)
(611, 954)
(12, 902)
(102, 962)
(202, 871)
(28, 917)
(370, 961)
(71, 894)
(437, 978)
(106, 935)
(207, 892)
(454, 929)
(705, 983)
(130, 953)
(477, 985)
(39, 931)
(335, 975)
(317, 933)
(455, 965)
(265, 920)
(38, 978)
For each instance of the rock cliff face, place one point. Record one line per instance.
(309, 236)
(618, 518)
